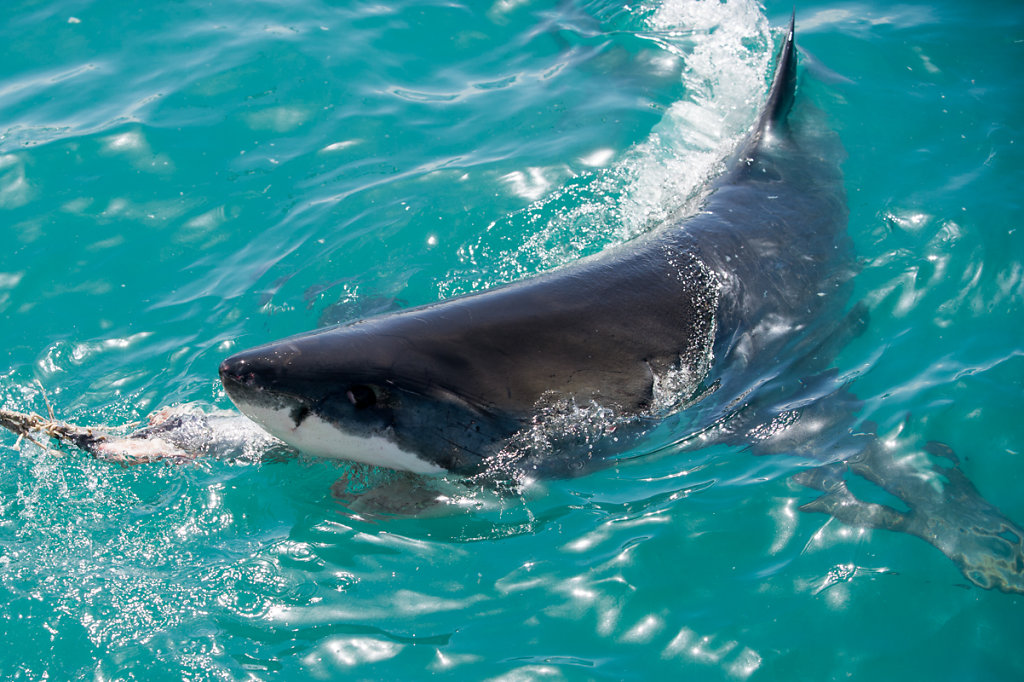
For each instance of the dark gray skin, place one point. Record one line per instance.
(456, 380)
(747, 301)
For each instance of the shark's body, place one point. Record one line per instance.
(722, 298)
(735, 313)
(730, 319)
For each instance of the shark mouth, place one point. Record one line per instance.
(301, 424)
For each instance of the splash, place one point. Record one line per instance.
(564, 436)
(726, 56)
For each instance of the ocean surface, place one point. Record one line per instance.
(179, 180)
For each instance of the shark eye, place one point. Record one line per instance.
(361, 396)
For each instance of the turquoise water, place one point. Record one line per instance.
(180, 181)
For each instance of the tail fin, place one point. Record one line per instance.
(780, 97)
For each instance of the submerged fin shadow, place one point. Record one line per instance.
(944, 509)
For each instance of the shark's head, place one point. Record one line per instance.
(348, 393)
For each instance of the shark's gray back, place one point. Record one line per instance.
(636, 332)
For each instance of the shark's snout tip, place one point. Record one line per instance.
(232, 370)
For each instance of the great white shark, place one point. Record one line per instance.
(730, 318)
(447, 386)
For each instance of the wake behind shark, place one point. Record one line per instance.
(729, 319)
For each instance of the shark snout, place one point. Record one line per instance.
(230, 370)
(236, 372)
(265, 366)
(249, 373)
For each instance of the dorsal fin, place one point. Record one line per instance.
(783, 90)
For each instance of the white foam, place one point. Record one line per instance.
(725, 48)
